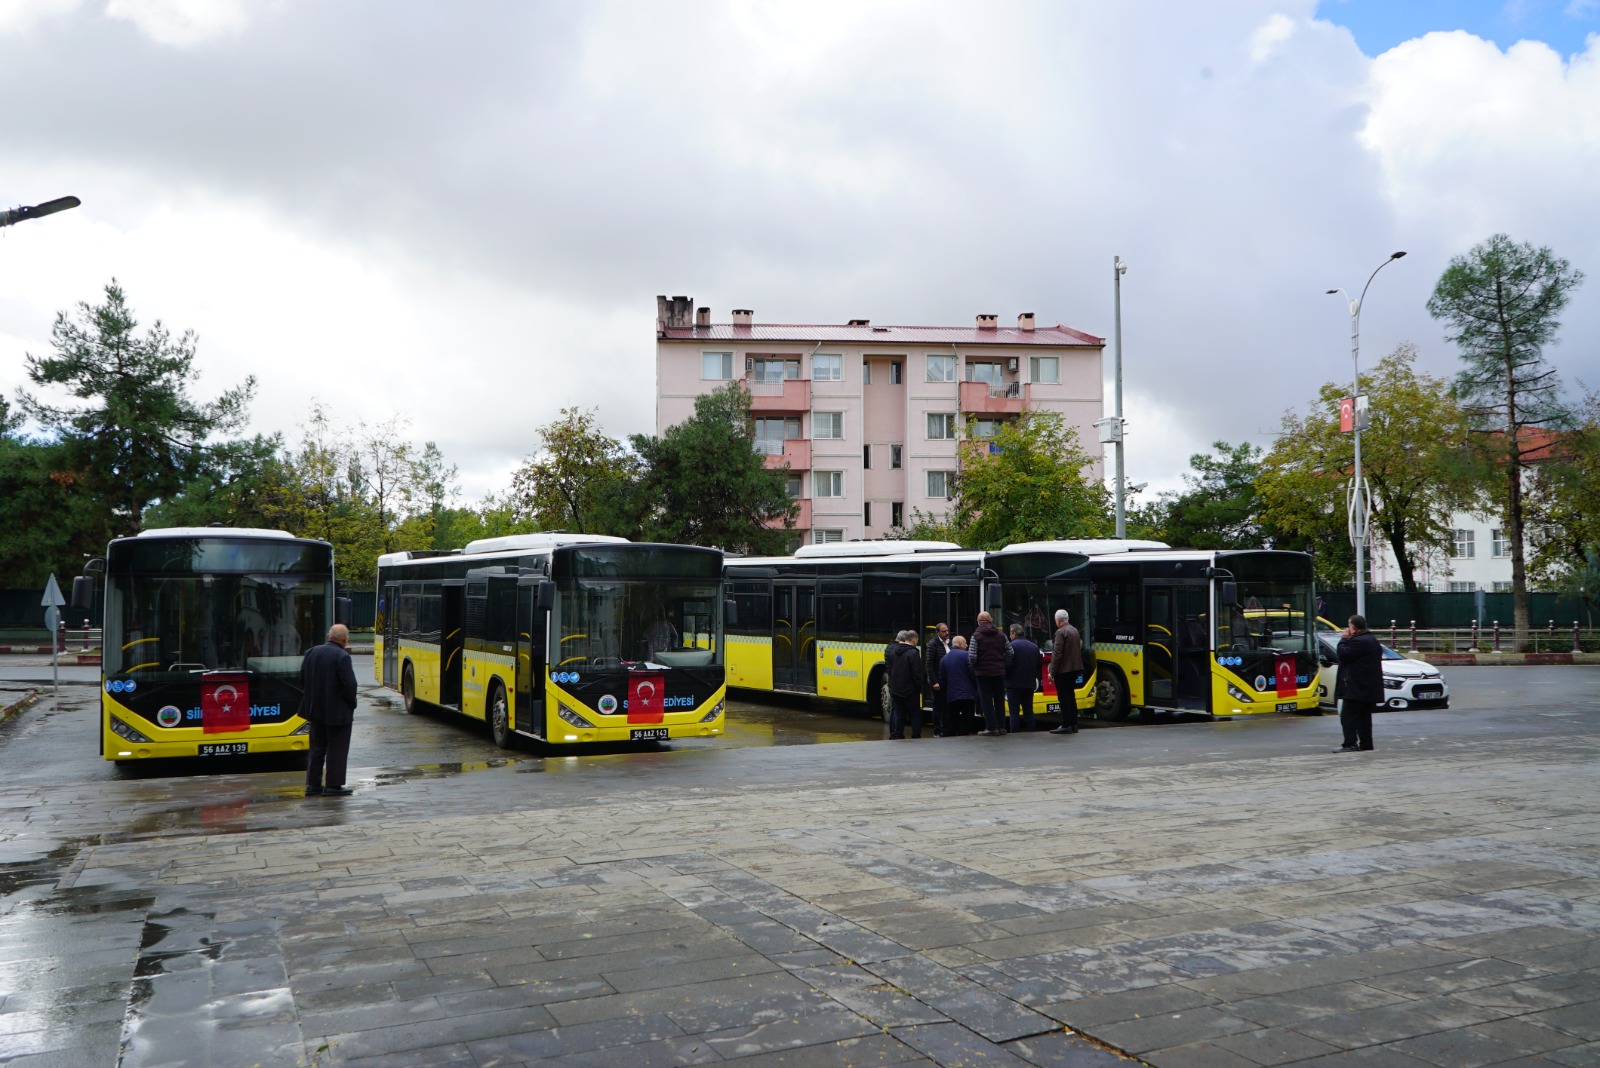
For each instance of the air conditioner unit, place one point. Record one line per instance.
(1011, 365)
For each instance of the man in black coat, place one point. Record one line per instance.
(1360, 685)
(1023, 676)
(328, 703)
(907, 683)
(933, 655)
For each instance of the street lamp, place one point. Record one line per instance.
(1110, 427)
(12, 216)
(1360, 506)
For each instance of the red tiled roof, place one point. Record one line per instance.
(892, 335)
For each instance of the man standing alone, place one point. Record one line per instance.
(1022, 680)
(1360, 685)
(328, 703)
(1066, 668)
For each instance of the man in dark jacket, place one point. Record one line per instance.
(990, 655)
(1022, 680)
(1066, 670)
(328, 703)
(932, 656)
(1360, 685)
(907, 683)
(960, 687)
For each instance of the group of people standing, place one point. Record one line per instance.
(989, 674)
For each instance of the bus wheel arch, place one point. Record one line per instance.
(408, 688)
(497, 714)
(878, 697)
(1110, 693)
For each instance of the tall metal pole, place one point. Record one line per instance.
(1359, 504)
(1117, 270)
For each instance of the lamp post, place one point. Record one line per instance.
(12, 216)
(1110, 427)
(1360, 505)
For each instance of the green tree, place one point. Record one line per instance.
(1411, 456)
(137, 436)
(704, 484)
(1222, 509)
(1563, 500)
(1501, 302)
(50, 523)
(241, 488)
(1026, 483)
(578, 480)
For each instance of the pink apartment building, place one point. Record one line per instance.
(870, 418)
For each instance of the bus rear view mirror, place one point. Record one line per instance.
(730, 612)
(343, 610)
(83, 593)
(1229, 592)
(545, 598)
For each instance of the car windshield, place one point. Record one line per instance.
(1331, 647)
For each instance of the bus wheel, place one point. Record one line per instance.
(1110, 695)
(408, 690)
(500, 718)
(879, 685)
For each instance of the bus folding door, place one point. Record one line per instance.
(450, 642)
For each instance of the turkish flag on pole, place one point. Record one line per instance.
(646, 690)
(1283, 669)
(1347, 414)
(224, 702)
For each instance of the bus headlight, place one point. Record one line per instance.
(1239, 695)
(304, 728)
(715, 712)
(122, 730)
(571, 716)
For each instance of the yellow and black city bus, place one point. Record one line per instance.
(204, 631)
(557, 637)
(1222, 632)
(817, 622)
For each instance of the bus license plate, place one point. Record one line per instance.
(225, 749)
(1287, 706)
(649, 734)
(1052, 710)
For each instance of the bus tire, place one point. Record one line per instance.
(408, 689)
(1110, 694)
(878, 687)
(498, 715)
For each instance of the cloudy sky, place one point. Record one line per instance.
(462, 213)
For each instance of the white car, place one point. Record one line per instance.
(1407, 683)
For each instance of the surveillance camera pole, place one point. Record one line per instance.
(12, 216)
(1360, 504)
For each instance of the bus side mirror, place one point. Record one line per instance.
(545, 598)
(1230, 594)
(730, 612)
(83, 593)
(344, 610)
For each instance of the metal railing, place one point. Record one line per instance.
(1493, 637)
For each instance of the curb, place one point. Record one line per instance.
(17, 706)
(1504, 659)
(24, 648)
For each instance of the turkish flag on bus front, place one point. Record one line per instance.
(646, 691)
(1283, 668)
(224, 702)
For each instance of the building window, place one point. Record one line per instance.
(1463, 587)
(791, 485)
(866, 457)
(983, 372)
(986, 428)
(1500, 587)
(866, 513)
(774, 370)
(1045, 369)
(1501, 545)
(941, 485)
(772, 433)
(827, 368)
(941, 426)
(866, 373)
(826, 537)
(716, 366)
(896, 514)
(1465, 549)
(941, 368)
(827, 424)
(896, 372)
(827, 483)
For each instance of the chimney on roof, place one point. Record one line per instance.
(702, 317)
(742, 316)
(1025, 321)
(988, 322)
(674, 313)
(860, 322)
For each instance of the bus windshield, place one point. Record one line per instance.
(186, 623)
(609, 623)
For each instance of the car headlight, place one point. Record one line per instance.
(1392, 683)
(571, 716)
(122, 730)
(715, 711)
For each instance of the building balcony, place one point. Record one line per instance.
(796, 452)
(802, 518)
(980, 398)
(789, 395)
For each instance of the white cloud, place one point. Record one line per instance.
(1266, 40)
(182, 23)
(18, 16)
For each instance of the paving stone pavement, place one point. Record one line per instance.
(1405, 908)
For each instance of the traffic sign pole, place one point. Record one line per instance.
(52, 602)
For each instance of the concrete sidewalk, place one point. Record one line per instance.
(1427, 905)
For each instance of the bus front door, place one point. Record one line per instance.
(450, 642)
(528, 713)
(1176, 648)
(955, 606)
(794, 662)
(391, 636)
(1192, 689)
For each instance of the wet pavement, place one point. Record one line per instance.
(1181, 893)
